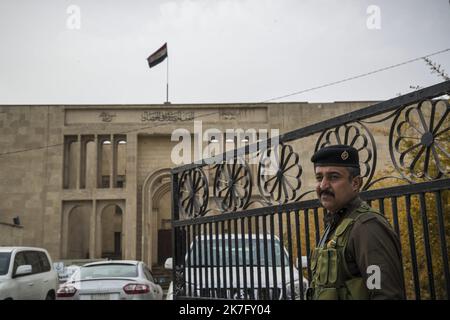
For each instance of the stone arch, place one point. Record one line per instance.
(162, 216)
(76, 224)
(155, 185)
(111, 218)
(101, 206)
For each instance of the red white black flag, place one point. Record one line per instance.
(158, 56)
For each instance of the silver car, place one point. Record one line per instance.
(111, 280)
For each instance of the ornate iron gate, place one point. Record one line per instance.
(242, 244)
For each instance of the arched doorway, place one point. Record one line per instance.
(111, 235)
(79, 233)
(156, 216)
(164, 226)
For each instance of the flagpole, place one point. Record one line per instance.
(167, 80)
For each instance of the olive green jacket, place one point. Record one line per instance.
(365, 239)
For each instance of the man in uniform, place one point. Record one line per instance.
(358, 257)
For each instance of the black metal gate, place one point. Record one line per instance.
(240, 244)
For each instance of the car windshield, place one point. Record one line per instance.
(4, 262)
(108, 271)
(197, 255)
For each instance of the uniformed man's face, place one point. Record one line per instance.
(334, 187)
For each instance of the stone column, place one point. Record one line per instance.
(65, 231)
(130, 214)
(66, 163)
(99, 148)
(114, 146)
(144, 240)
(78, 174)
(111, 163)
(82, 162)
(154, 235)
(95, 156)
(92, 230)
(68, 140)
(98, 229)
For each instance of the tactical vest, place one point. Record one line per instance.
(332, 279)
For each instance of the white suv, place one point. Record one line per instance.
(265, 267)
(26, 274)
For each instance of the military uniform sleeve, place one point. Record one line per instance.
(373, 242)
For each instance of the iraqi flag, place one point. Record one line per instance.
(158, 56)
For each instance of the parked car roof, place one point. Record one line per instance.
(11, 249)
(239, 236)
(133, 262)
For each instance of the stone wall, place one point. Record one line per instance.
(10, 235)
(30, 138)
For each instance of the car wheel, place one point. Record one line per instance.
(50, 296)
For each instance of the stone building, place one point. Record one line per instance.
(92, 181)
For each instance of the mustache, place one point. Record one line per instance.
(326, 192)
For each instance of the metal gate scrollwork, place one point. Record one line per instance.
(358, 136)
(252, 243)
(279, 174)
(417, 140)
(233, 185)
(193, 193)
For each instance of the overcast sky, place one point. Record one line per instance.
(219, 50)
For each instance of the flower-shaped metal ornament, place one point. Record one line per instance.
(419, 141)
(233, 185)
(279, 174)
(193, 193)
(358, 136)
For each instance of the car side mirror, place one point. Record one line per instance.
(168, 264)
(23, 270)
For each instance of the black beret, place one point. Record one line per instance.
(336, 155)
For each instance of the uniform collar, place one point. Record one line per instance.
(352, 205)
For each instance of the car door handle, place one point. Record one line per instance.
(45, 281)
(30, 284)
